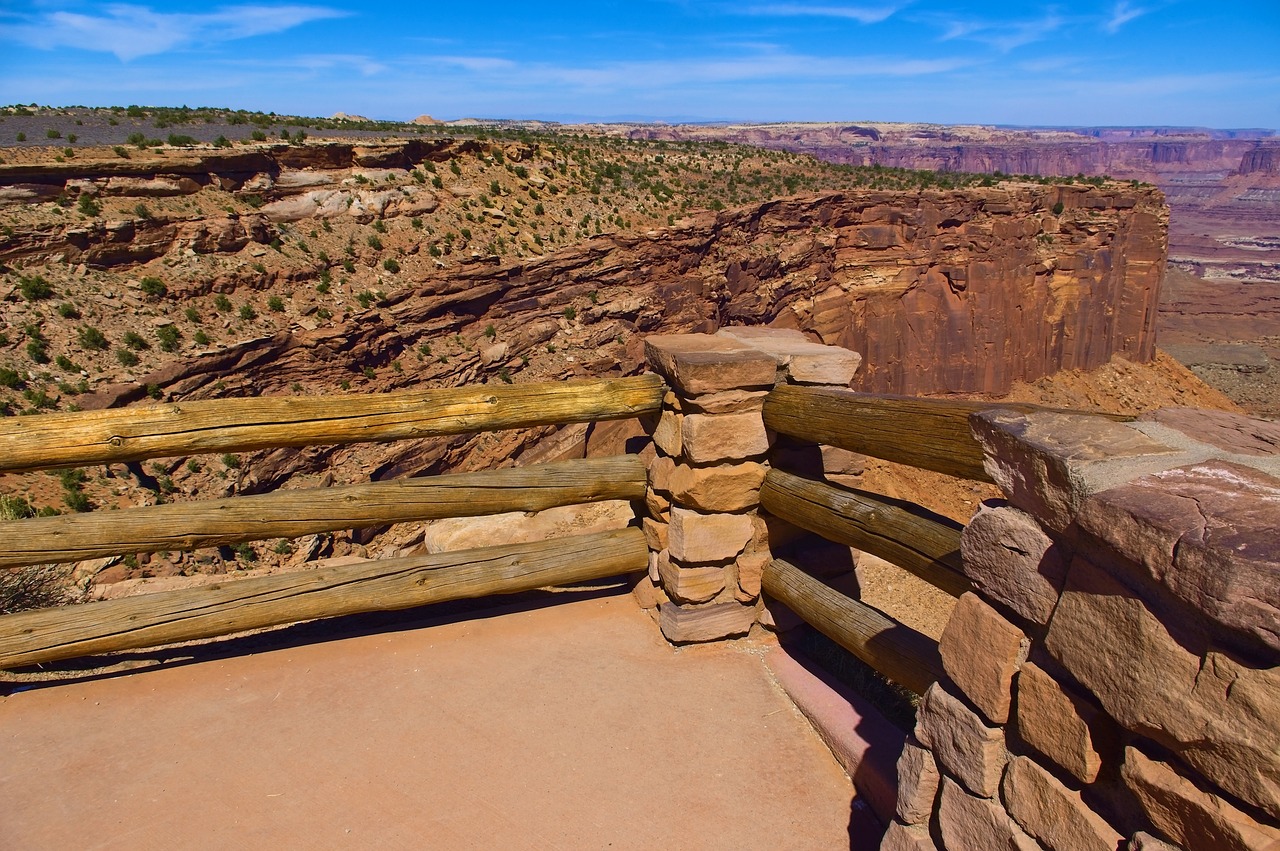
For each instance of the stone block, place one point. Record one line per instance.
(1235, 433)
(666, 434)
(1207, 534)
(1189, 815)
(1011, 560)
(1058, 724)
(726, 402)
(964, 746)
(1143, 841)
(918, 779)
(647, 594)
(750, 569)
(900, 837)
(981, 652)
(689, 584)
(710, 622)
(804, 361)
(659, 473)
(1052, 813)
(777, 617)
(656, 533)
(699, 363)
(727, 487)
(657, 504)
(977, 824)
(1047, 464)
(1218, 714)
(709, 438)
(707, 538)
(655, 575)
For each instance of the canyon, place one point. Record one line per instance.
(374, 266)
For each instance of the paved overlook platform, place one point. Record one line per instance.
(564, 726)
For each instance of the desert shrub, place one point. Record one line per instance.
(1058, 208)
(179, 141)
(66, 364)
(153, 287)
(201, 338)
(89, 207)
(142, 211)
(34, 287)
(21, 137)
(10, 378)
(247, 312)
(126, 357)
(380, 226)
(374, 242)
(191, 314)
(221, 303)
(231, 461)
(138, 140)
(168, 337)
(391, 265)
(53, 134)
(275, 304)
(135, 341)
(38, 351)
(120, 151)
(67, 310)
(91, 338)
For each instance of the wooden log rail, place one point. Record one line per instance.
(932, 434)
(47, 635)
(234, 425)
(905, 656)
(907, 535)
(291, 513)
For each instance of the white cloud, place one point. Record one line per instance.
(861, 14)
(1003, 36)
(1122, 14)
(131, 31)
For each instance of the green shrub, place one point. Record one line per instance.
(153, 287)
(10, 378)
(126, 357)
(38, 351)
(177, 141)
(53, 134)
(374, 242)
(380, 226)
(134, 340)
(66, 364)
(77, 501)
(201, 338)
(275, 304)
(231, 461)
(91, 338)
(34, 287)
(21, 137)
(221, 303)
(1058, 208)
(142, 211)
(137, 139)
(391, 265)
(247, 312)
(191, 314)
(168, 336)
(67, 310)
(88, 206)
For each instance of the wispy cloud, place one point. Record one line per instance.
(1003, 35)
(131, 31)
(1122, 14)
(861, 14)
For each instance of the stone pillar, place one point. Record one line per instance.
(708, 544)
(1114, 679)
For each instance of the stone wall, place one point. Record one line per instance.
(708, 543)
(1114, 680)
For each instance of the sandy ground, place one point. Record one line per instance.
(570, 726)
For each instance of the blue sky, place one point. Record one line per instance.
(1117, 62)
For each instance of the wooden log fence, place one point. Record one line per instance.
(47, 635)
(932, 434)
(291, 513)
(897, 651)
(907, 535)
(234, 425)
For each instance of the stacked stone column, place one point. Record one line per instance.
(1113, 680)
(708, 544)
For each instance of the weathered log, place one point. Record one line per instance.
(906, 534)
(233, 425)
(290, 513)
(47, 635)
(905, 656)
(932, 434)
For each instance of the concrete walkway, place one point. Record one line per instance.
(565, 726)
